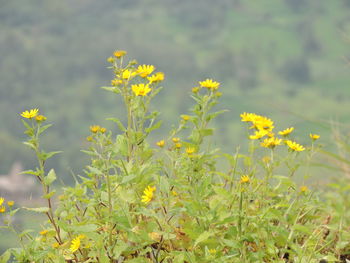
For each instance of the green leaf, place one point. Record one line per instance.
(30, 145)
(50, 178)
(38, 209)
(203, 237)
(128, 178)
(5, 257)
(118, 122)
(154, 127)
(43, 128)
(113, 89)
(85, 228)
(119, 249)
(49, 195)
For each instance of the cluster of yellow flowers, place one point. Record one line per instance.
(143, 71)
(33, 114)
(2, 207)
(264, 126)
(97, 128)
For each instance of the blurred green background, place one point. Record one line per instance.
(287, 59)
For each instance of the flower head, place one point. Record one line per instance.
(40, 118)
(2, 209)
(178, 145)
(286, 131)
(103, 130)
(148, 194)
(185, 117)
(209, 84)
(271, 142)
(145, 70)
(116, 82)
(95, 128)
(30, 114)
(245, 179)
(195, 90)
(43, 232)
(158, 77)
(314, 137)
(10, 203)
(295, 146)
(160, 143)
(75, 244)
(141, 89)
(119, 53)
(127, 74)
(175, 139)
(110, 60)
(304, 188)
(258, 135)
(1, 200)
(190, 150)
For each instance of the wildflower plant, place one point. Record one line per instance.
(169, 201)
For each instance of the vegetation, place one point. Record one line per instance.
(181, 200)
(52, 55)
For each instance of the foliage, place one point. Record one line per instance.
(258, 50)
(176, 201)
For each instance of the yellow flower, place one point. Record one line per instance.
(89, 138)
(258, 135)
(314, 136)
(248, 117)
(218, 94)
(2, 209)
(245, 179)
(102, 130)
(304, 189)
(116, 82)
(209, 84)
(185, 117)
(10, 203)
(127, 74)
(75, 244)
(271, 142)
(30, 114)
(110, 60)
(55, 245)
(43, 232)
(195, 89)
(161, 143)
(145, 70)
(212, 251)
(140, 89)
(1, 200)
(40, 118)
(158, 77)
(119, 53)
(174, 193)
(178, 145)
(95, 128)
(175, 140)
(190, 150)
(286, 131)
(295, 146)
(148, 194)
